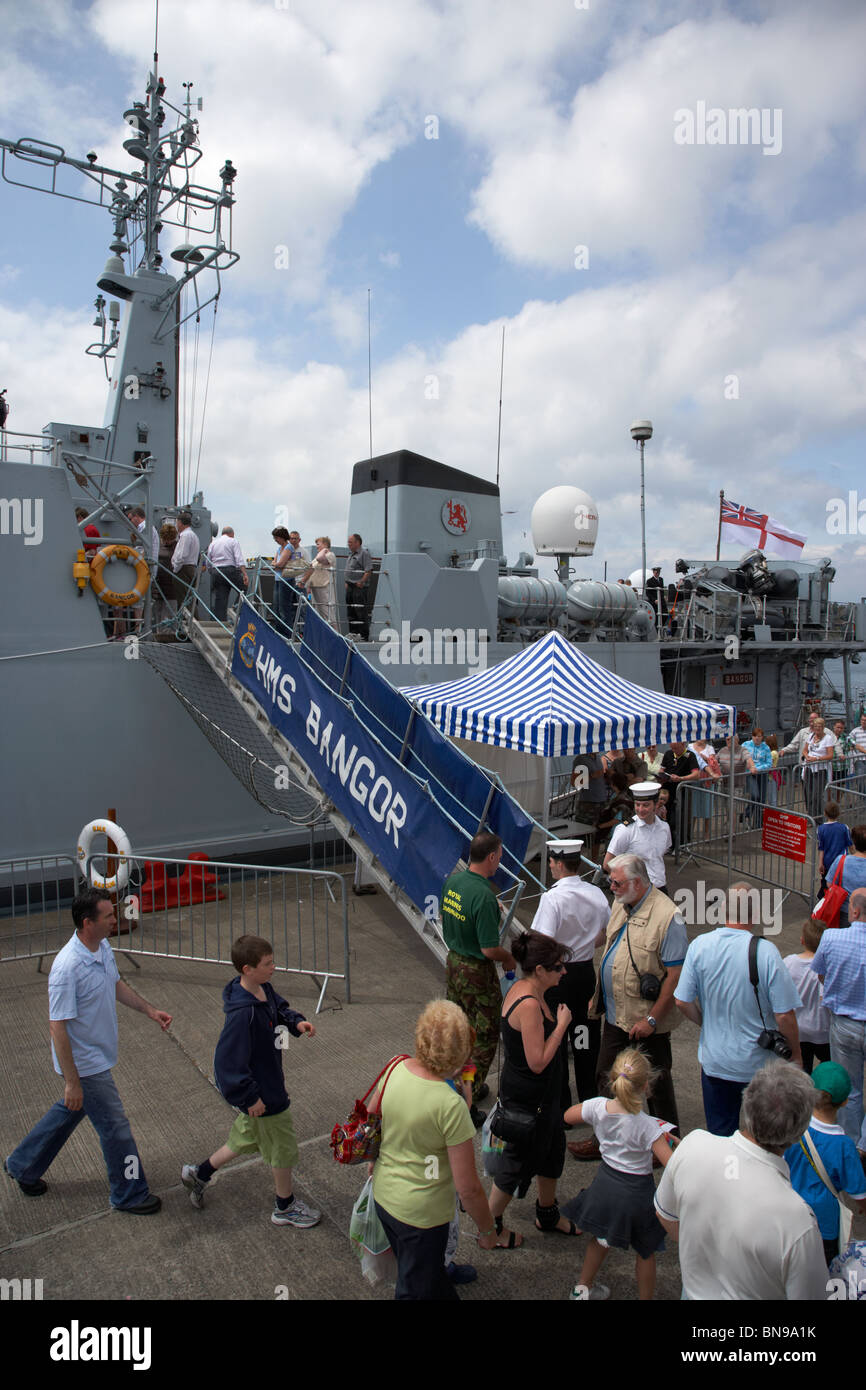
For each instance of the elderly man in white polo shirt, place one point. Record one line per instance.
(646, 836)
(575, 914)
(743, 1232)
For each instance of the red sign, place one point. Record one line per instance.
(784, 834)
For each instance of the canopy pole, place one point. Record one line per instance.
(545, 819)
(732, 725)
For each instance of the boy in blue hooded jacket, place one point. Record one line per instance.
(248, 1067)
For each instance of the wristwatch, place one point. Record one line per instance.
(651, 1021)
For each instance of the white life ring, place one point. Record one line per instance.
(124, 850)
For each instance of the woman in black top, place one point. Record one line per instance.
(532, 1080)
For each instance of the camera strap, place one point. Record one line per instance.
(753, 976)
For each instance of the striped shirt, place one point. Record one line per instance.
(841, 959)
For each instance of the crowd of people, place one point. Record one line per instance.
(781, 1065)
(176, 560)
(604, 784)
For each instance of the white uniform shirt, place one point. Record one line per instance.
(573, 913)
(744, 1233)
(651, 842)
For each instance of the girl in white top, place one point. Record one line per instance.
(618, 1208)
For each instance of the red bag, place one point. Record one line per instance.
(827, 910)
(357, 1140)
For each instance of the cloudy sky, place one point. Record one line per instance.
(555, 168)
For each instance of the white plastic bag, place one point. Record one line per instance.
(371, 1243)
(492, 1148)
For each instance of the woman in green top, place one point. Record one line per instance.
(426, 1153)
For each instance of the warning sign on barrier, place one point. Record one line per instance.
(784, 834)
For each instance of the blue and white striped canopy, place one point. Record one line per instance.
(552, 699)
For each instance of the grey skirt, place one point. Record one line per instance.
(618, 1208)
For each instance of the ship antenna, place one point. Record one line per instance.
(370, 362)
(499, 430)
(155, 35)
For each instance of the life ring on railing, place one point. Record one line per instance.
(124, 850)
(142, 575)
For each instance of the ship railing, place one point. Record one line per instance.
(186, 909)
(769, 844)
(33, 448)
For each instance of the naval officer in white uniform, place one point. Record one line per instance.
(575, 914)
(647, 835)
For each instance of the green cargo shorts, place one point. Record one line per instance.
(273, 1136)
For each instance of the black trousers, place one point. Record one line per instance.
(576, 989)
(356, 610)
(420, 1253)
(662, 1102)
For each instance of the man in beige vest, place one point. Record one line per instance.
(646, 936)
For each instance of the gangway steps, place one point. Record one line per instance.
(215, 645)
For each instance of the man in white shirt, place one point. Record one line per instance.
(184, 560)
(743, 1232)
(646, 836)
(139, 520)
(575, 914)
(226, 561)
(800, 738)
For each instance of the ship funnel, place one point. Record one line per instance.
(113, 279)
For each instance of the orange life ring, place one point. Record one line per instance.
(142, 575)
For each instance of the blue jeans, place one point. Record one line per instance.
(722, 1103)
(104, 1109)
(284, 605)
(420, 1253)
(757, 794)
(848, 1048)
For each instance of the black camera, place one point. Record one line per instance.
(775, 1041)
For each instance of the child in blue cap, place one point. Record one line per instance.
(836, 1152)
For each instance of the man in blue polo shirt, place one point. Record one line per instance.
(715, 992)
(83, 988)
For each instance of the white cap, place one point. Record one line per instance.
(564, 849)
(645, 791)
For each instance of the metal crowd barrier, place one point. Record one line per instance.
(779, 849)
(850, 797)
(186, 909)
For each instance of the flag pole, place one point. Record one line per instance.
(719, 537)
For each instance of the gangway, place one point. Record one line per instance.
(256, 744)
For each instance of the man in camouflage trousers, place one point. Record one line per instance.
(470, 924)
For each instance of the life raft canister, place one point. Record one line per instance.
(124, 849)
(142, 575)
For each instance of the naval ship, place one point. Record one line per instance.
(138, 723)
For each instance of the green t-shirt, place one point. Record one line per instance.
(421, 1120)
(470, 914)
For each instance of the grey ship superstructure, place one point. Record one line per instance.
(90, 723)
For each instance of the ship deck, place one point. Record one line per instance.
(71, 1239)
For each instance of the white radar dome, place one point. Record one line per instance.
(564, 522)
(636, 581)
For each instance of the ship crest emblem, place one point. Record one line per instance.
(247, 647)
(455, 516)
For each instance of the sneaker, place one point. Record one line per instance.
(30, 1189)
(595, 1294)
(461, 1274)
(298, 1214)
(190, 1179)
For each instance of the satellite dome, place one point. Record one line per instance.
(564, 522)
